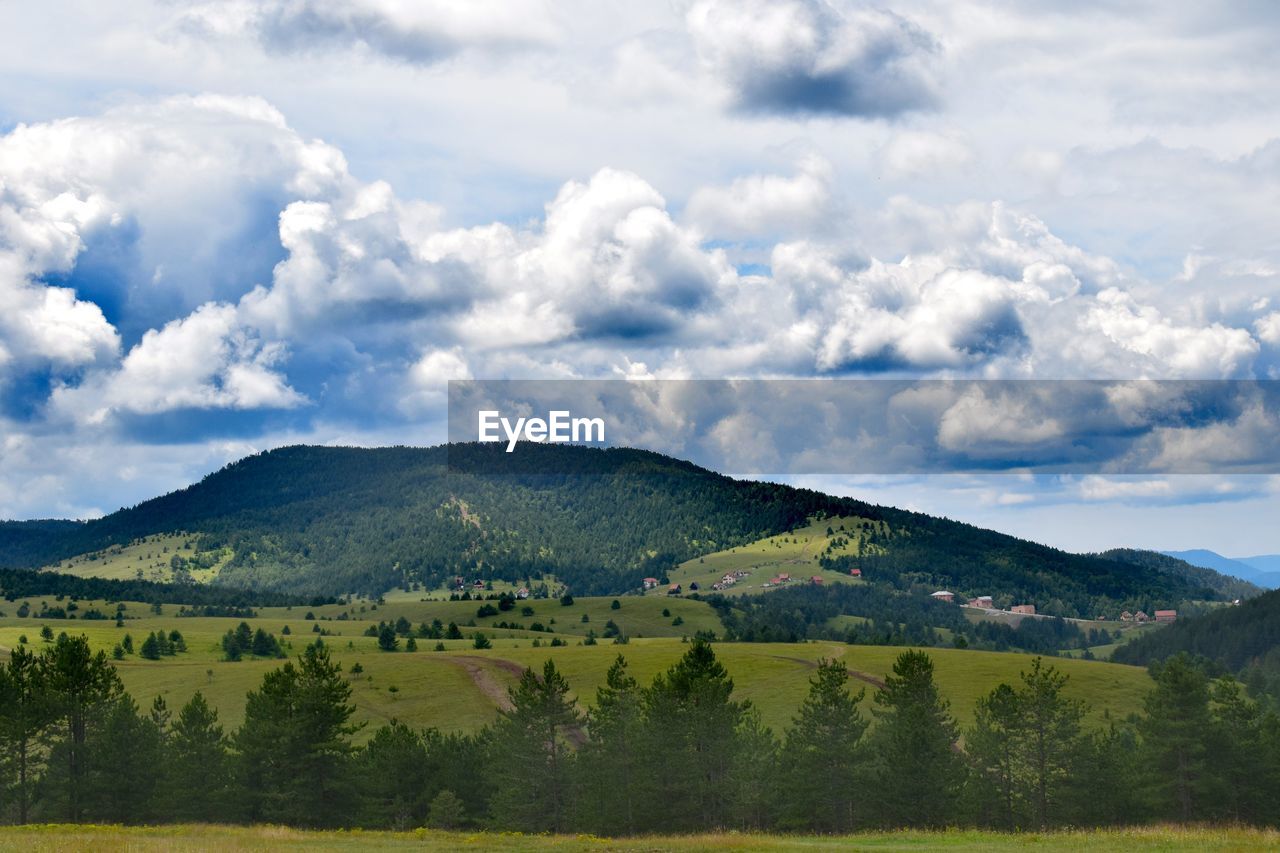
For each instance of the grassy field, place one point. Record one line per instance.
(148, 559)
(794, 553)
(220, 838)
(461, 688)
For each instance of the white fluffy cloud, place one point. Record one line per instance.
(765, 205)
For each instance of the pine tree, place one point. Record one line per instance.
(197, 761)
(1175, 734)
(151, 647)
(395, 773)
(447, 811)
(295, 742)
(993, 749)
(919, 772)
(532, 760)
(387, 640)
(692, 722)
(823, 755)
(26, 709)
(82, 686)
(1050, 730)
(610, 763)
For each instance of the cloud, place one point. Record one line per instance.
(913, 154)
(203, 361)
(422, 33)
(808, 57)
(765, 205)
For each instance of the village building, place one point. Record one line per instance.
(1126, 616)
(857, 573)
(815, 579)
(1166, 615)
(522, 592)
(650, 583)
(983, 601)
(674, 589)
(1025, 609)
(1141, 617)
(943, 595)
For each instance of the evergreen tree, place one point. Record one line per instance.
(532, 761)
(918, 772)
(151, 647)
(611, 762)
(198, 761)
(82, 686)
(692, 723)
(26, 709)
(1050, 729)
(1238, 760)
(395, 773)
(1175, 734)
(753, 774)
(387, 640)
(823, 755)
(125, 755)
(295, 742)
(992, 746)
(447, 811)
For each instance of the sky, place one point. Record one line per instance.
(228, 226)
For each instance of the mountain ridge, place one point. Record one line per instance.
(332, 520)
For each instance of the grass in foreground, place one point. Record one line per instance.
(199, 837)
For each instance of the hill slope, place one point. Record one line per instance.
(322, 520)
(1228, 585)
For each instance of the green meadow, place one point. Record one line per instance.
(228, 838)
(461, 688)
(795, 553)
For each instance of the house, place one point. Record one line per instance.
(815, 579)
(784, 577)
(943, 595)
(857, 573)
(1025, 609)
(522, 592)
(1166, 615)
(478, 585)
(1126, 616)
(983, 601)
(1140, 617)
(674, 589)
(693, 587)
(650, 583)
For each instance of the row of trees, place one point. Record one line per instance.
(680, 754)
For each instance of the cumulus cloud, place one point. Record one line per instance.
(808, 57)
(765, 205)
(421, 32)
(203, 361)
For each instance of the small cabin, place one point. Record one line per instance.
(1024, 609)
(674, 589)
(943, 595)
(1166, 615)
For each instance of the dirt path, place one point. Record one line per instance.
(874, 681)
(477, 668)
(483, 679)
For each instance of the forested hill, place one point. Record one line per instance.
(1243, 640)
(325, 520)
(1226, 585)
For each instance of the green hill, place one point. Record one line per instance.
(330, 521)
(1243, 640)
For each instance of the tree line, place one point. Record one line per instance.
(682, 753)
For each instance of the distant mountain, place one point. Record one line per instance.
(1229, 586)
(332, 520)
(1263, 571)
